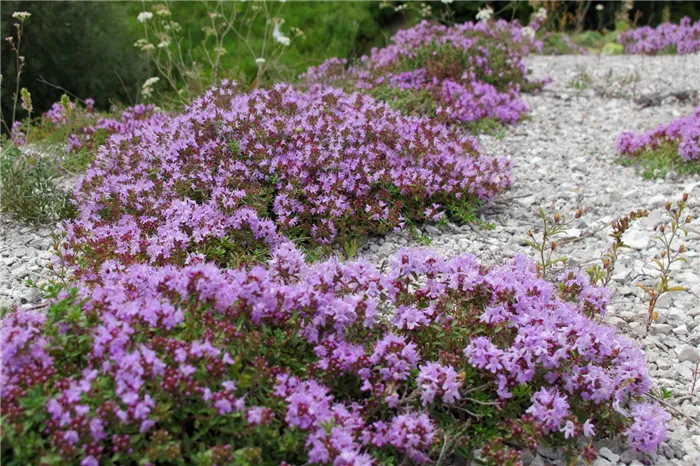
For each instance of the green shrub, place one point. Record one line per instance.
(613, 49)
(201, 51)
(84, 47)
(27, 188)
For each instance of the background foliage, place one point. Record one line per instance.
(84, 47)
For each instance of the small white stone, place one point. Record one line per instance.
(636, 239)
(606, 453)
(687, 353)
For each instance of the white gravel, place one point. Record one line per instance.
(25, 251)
(562, 159)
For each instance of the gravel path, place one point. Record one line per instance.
(562, 159)
(25, 251)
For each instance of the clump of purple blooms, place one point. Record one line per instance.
(472, 71)
(680, 38)
(236, 170)
(683, 133)
(82, 122)
(307, 363)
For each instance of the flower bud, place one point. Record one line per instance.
(554, 245)
(668, 205)
(688, 219)
(579, 212)
(685, 197)
(662, 228)
(682, 249)
(557, 217)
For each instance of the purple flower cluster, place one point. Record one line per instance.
(649, 427)
(241, 167)
(85, 122)
(472, 71)
(313, 352)
(683, 133)
(435, 379)
(680, 38)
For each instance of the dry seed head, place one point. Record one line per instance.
(579, 212)
(682, 249)
(688, 219)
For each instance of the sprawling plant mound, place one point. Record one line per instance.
(87, 129)
(666, 38)
(463, 73)
(220, 180)
(331, 363)
(681, 137)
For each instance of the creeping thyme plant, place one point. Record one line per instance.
(330, 363)
(682, 38)
(464, 74)
(322, 167)
(673, 146)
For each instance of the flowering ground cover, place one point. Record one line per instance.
(199, 331)
(80, 128)
(229, 175)
(683, 38)
(330, 363)
(675, 145)
(468, 73)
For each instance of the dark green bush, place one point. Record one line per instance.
(84, 47)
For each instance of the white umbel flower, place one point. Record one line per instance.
(541, 14)
(144, 16)
(147, 89)
(484, 14)
(528, 32)
(21, 15)
(279, 36)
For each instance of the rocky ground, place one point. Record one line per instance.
(563, 159)
(25, 251)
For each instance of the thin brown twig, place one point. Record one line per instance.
(55, 86)
(570, 239)
(442, 450)
(673, 408)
